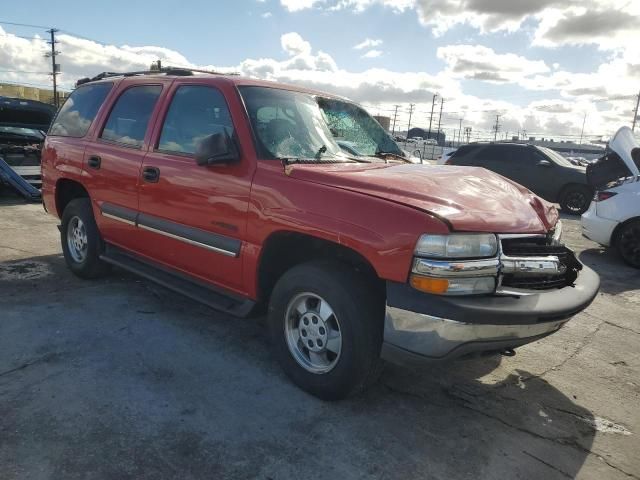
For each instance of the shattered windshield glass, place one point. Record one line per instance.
(355, 130)
(289, 124)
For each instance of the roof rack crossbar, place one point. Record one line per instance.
(179, 71)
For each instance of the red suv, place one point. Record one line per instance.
(236, 193)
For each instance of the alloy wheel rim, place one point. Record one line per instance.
(630, 244)
(313, 333)
(77, 240)
(575, 201)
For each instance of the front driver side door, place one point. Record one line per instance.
(192, 218)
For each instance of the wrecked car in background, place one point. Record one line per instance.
(613, 218)
(22, 127)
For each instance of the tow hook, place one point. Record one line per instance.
(509, 352)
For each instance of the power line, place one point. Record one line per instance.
(21, 36)
(22, 71)
(15, 24)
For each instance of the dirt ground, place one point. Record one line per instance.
(120, 378)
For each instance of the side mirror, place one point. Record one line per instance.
(544, 163)
(216, 149)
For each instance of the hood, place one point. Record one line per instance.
(470, 199)
(620, 162)
(627, 148)
(20, 113)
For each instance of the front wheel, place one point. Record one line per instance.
(628, 243)
(575, 199)
(326, 328)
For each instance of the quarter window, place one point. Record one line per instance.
(196, 112)
(77, 113)
(129, 118)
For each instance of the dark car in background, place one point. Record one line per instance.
(22, 126)
(541, 170)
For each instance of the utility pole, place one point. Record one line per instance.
(55, 68)
(635, 114)
(433, 103)
(496, 127)
(460, 133)
(395, 115)
(411, 105)
(440, 119)
(584, 120)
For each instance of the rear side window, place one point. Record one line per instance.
(195, 113)
(77, 113)
(493, 153)
(129, 118)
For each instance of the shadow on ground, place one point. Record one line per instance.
(616, 277)
(120, 378)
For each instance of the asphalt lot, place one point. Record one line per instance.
(120, 378)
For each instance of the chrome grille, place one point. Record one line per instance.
(525, 250)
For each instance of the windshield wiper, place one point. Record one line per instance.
(380, 153)
(321, 150)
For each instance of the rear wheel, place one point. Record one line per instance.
(81, 240)
(628, 243)
(326, 328)
(575, 199)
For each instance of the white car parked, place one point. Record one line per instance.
(613, 219)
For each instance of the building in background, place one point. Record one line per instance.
(43, 95)
(385, 122)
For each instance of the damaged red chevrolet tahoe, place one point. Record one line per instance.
(236, 193)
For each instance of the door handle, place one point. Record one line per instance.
(94, 162)
(151, 174)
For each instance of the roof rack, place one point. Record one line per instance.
(178, 71)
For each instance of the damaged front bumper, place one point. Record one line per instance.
(421, 327)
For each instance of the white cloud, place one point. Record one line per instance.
(294, 44)
(266, 15)
(380, 88)
(477, 62)
(296, 5)
(368, 43)
(372, 54)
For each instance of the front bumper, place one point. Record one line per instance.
(420, 327)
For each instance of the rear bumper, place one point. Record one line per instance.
(597, 228)
(422, 328)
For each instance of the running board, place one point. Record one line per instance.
(179, 282)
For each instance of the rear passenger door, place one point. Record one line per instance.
(113, 160)
(494, 158)
(192, 218)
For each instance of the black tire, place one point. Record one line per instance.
(361, 317)
(628, 243)
(90, 266)
(575, 199)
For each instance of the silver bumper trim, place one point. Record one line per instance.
(435, 337)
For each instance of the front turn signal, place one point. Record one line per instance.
(429, 284)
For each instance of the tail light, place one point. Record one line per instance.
(601, 196)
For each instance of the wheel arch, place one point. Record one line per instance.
(67, 190)
(283, 249)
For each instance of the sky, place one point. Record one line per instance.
(543, 66)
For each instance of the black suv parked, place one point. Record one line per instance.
(541, 170)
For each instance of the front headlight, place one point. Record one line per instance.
(457, 245)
